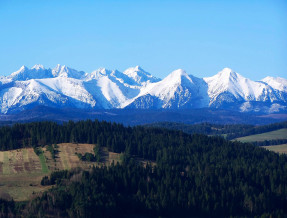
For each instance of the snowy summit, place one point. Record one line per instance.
(135, 88)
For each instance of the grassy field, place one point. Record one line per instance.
(21, 170)
(282, 149)
(43, 163)
(273, 135)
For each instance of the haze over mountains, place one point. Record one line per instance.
(63, 87)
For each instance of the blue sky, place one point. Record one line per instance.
(201, 37)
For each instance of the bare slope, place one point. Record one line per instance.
(281, 149)
(272, 135)
(21, 170)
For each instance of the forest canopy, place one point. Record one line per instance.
(193, 176)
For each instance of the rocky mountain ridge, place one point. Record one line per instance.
(63, 87)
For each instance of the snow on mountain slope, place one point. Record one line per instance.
(228, 86)
(64, 71)
(36, 72)
(64, 87)
(111, 91)
(139, 76)
(111, 84)
(9, 97)
(5, 80)
(277, 83)
(71, 88)
(25, 93)
(135, 88)
(97, 74)
(175, 91)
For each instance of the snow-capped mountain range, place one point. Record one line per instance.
(63, 87)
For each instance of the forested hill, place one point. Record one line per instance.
(231, 131)
(194, 175)
(42, 133)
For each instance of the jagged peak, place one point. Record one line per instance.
(225, 75)
(276, 83)
(270, 78)
(139, 75)
(57, 68)
(179, 72)
(21, 70)
(60, 67)
(227, 72)
(38, 67)
(102, 71)
(226, 69)
(131, 71)
(136, 68)
(63, 69)
(139, 68)
(177, 76)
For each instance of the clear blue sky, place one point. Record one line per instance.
(201, 37)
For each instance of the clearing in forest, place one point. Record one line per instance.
(273, 135)
(281, 149)
(21, 170)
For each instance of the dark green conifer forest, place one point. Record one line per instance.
(193, 175)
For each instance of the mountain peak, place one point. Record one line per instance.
(139, 75)
(38, 67)
(177, 75)
(103, 70)
(98, 73)
(227, 75)
(277, 83)
(268, 78)
(36, 72)
(63, 86)
(132, 70)
(138, 68)
(226, 72)
(23, 68)
(227, 69)
(64, 71)
(60, 67)
(57, 69)
(64, 68)
(179, 72)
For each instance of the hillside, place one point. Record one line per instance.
(193, 175)
(21, 170)
(230, 131)
(281, 149)
(267, 136)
